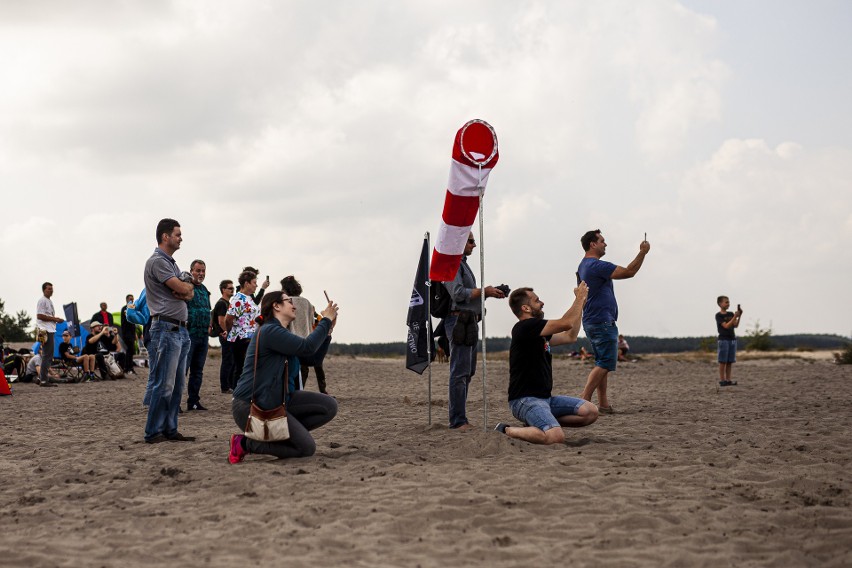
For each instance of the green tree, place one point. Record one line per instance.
(14, 328)
(758, 338)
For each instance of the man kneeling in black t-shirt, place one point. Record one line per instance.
(531, 373)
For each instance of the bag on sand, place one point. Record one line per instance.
(114, 371)
(267, 425)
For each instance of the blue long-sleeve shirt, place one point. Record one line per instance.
(277, 346)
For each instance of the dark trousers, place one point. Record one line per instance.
(46, 357)
(305, 411)
(196, 359)
(240, 348)
(226, 371)
(130, 345)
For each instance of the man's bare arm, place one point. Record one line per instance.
(622, 273)
(565, 329)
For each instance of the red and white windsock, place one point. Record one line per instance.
(474, 155)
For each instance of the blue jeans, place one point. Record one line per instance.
(197, 356)
(226, 371)
(543, 412)
(604, 340)
(167, 352)
(727, 351)
(462, 368)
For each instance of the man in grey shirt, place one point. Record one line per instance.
(168, 290)
(466, 312)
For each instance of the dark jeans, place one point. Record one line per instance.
(130, 345)
(240, 346)
(197, 357)
(226, 371)
(462, 368)
(306, 411)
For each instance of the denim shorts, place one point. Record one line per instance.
(543, 412)
(727, 351)
(604, 340)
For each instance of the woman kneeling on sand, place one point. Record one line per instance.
(279, 349)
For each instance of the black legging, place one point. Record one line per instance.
(239, 349)
(306, 411)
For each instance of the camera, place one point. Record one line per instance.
(504, 288)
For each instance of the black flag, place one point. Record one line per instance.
(416, 353)
(72, 319)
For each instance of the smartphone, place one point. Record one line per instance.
(267, 277)
(326, 296)
(739, 308)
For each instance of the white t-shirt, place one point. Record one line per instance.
(45, 306)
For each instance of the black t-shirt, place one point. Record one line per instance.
(530, 370)
(725, 318)
(102, 344)
(220, 309)
(64, 348)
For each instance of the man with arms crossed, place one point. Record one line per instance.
(601, 310)
(168, 289)
(531, 371)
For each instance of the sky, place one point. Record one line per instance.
(315, 140)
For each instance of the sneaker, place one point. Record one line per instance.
(196, 406)
(724, 383)
(178, 437)
(501, 427)
(237, 452)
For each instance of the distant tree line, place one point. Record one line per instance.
(638, 344)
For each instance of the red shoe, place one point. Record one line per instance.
(237, 452)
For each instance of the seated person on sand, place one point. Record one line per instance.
(32, 371)
(531, 372)
(68, 354)
(13, 363)
(623, 348)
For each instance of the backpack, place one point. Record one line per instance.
(441, 302)
(140, 314)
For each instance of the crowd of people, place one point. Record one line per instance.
(270, 340)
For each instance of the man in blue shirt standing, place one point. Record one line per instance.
(600, 313)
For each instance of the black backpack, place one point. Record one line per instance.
(441, 302)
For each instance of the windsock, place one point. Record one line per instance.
(474, 155)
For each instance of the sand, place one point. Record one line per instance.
(686, 474)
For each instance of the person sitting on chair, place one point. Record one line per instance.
(101, 341)
(67, 353)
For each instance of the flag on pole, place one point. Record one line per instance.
(71, 317)
(474, 155)
(416, 353)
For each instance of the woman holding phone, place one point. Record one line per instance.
(272, 351)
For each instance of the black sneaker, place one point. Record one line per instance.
(178, 437)
(501, 427)
(196, 406)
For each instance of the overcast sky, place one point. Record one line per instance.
(314, 139)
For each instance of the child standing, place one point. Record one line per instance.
(726, 322)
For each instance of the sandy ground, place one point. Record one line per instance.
(685, 474)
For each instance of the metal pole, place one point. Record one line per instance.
(482, 300)
(429, 323)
